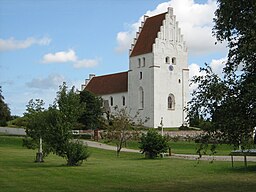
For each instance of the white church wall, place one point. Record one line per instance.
(141, 76)
(117, 100)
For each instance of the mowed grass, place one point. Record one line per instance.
(105, 172)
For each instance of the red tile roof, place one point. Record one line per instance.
(148, 34)
(108, 84)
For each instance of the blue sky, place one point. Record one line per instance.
(46, 42)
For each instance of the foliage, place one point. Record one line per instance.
(230, 102)
(123, 127)
(152, 144)
(92, 116)
(18, 122)
(5, 114)
(76, 153)
(55, 125)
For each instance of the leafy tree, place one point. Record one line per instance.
(230, 102)
(35, 128)
(5, 114)
(123, 127)
(152, 144)
(92, 116)
(55, 125)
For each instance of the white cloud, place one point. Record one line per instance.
(69, 56)
(86, 63)
(195, 21)
(60, 57)
(13, 44)
(50, 82)
(217, 66)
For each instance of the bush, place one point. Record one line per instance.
(152, 144)
(76, 153)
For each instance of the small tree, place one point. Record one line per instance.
(35, 128)
(122, 127)
(152, 144)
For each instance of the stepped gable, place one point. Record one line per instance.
(108, 84)
(146, 38)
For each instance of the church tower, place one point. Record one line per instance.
(158, 76)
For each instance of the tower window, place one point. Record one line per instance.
(179, 81)
(141, 98)
(171, 102)
(174, 60)
(123, 98)
(139, 63)
(140, 75)
(111, 101)
(143, 62)
(167, 60)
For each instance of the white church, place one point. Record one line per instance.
(157, 82)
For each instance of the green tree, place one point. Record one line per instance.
(92, 116)
(55, 125)
(35, 128)
(152, 144)
(5, 114)
(230, 102)
(123, 127)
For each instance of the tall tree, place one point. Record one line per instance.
(5, 114)
(230, 102)
(92, 116)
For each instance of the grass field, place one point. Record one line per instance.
(105, 172)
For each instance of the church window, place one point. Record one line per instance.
(143, 62)
(139, 63)
(140, 75)
(141, 98)
(123, 98)
(179, 81)
(111, 101)
(167, 60)
(174, 60)
(171, 102)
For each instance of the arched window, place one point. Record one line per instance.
(123, 99)
(140, 75)
(141, 98)
(111, 101)
(174, 60)
(143, 62)
(171, 102)
(167, 60)
(139, 63)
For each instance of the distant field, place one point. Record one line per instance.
(105, 172)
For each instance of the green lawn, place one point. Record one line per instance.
(105, 172)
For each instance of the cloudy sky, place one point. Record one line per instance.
(46, 42)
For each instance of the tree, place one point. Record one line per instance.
(55, 125)
(5, 114)
(35, 128)
(152, 144)
(92, 116)
(230, 102)
(123, 127)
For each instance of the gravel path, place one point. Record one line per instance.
(178, 156)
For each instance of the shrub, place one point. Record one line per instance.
(76, 153)
(152, 144)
